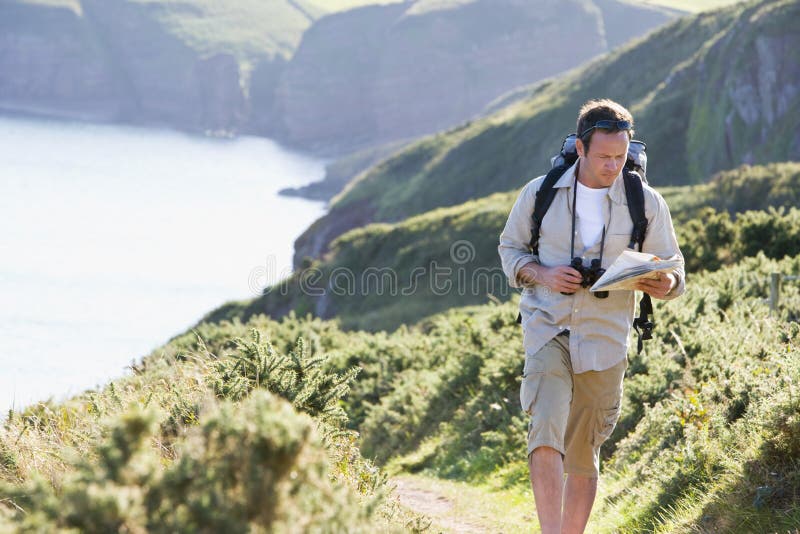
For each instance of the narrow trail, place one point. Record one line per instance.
(439, 509)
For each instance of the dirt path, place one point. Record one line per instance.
(442, 511)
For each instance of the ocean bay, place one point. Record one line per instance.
(114, 239)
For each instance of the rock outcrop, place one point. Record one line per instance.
(52, 63)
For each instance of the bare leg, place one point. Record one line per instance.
(579, 497)
(547, 480)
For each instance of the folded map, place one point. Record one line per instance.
(632, 266)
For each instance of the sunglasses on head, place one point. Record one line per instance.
(607, 125)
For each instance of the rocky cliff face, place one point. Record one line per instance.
(52, 63)
(763, 96)
(382, 73)
(113, 62)
(159, 79)
(745, 92)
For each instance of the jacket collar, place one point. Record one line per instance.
(616, 191)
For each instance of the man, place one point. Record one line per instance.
(576, 343)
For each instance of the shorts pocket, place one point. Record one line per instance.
(606, 420)
(531, 380)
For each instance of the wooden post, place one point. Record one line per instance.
(774, 291)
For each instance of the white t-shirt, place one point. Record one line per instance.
(589, 209)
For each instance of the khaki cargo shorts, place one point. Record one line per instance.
(572, 413)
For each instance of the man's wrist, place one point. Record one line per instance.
(528, 273)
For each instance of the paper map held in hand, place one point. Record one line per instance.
(632, 266)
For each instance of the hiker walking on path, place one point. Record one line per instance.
(554, 245)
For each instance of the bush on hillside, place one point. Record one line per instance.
(250, 466)
(308, 383)
(713, 239)
(756, 187)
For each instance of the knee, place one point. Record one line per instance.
(543, 451)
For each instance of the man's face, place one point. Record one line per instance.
(604, 160)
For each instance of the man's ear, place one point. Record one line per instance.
(580, 148)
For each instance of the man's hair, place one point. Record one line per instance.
(598, 110)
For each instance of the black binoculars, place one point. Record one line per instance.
(589, 274)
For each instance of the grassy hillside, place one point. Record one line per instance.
(706, 98)
(386, 274)
(707, 441)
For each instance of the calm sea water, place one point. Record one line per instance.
(114, 239)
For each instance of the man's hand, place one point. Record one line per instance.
(658, 287)
(562, 278)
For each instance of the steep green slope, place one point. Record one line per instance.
(386, 274)
(708, 92)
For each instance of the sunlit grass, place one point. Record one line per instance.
(331, 6)
(691, 6)
(72, 5)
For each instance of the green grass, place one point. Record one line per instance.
(427, 6)
(245, 28)
(331, 6)
(486, 506)
(72, 5)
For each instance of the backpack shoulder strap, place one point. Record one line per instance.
(544, 198)
(635, 196)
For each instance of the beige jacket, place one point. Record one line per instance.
(599, 328)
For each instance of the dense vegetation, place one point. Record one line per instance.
(249, 439)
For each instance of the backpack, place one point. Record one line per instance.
(633, 173)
